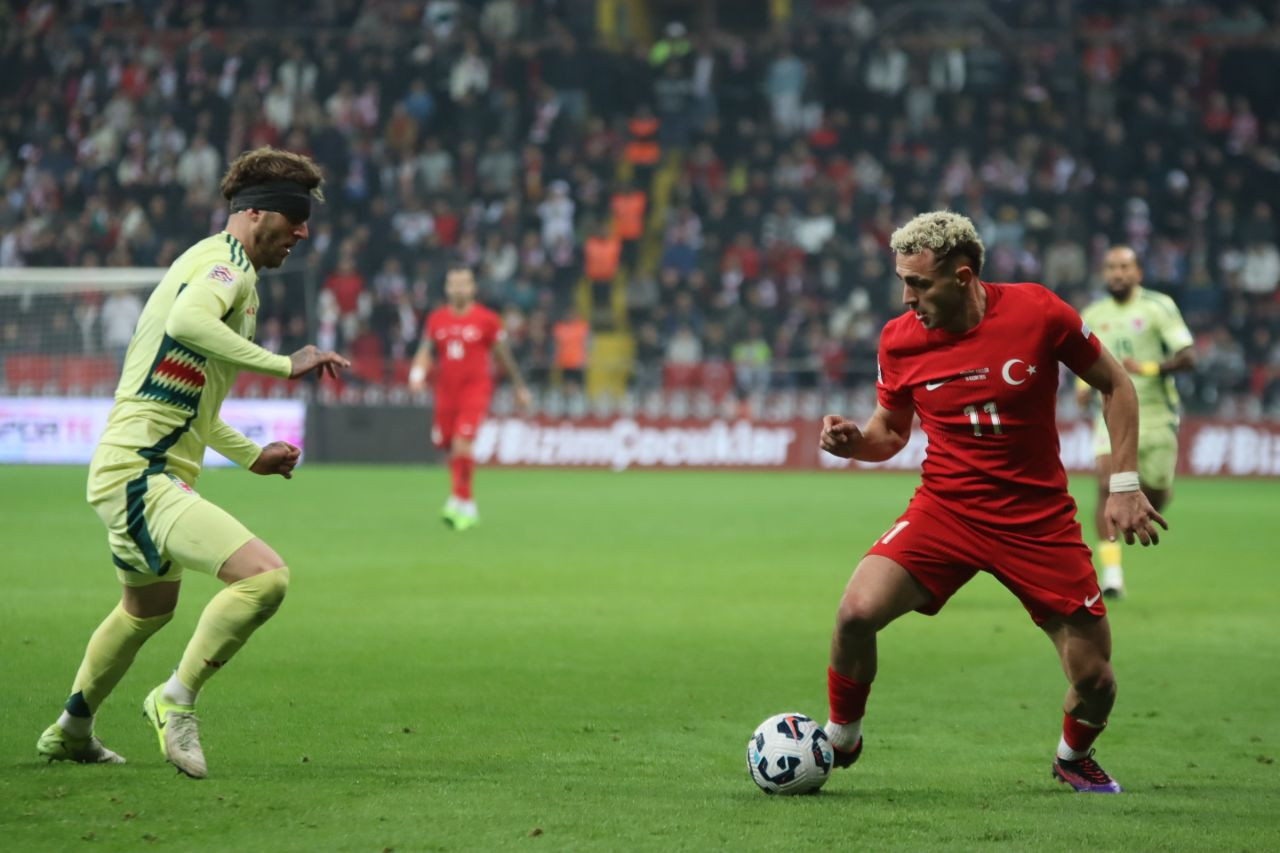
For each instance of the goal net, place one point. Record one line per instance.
(64, 330)
(63, 337)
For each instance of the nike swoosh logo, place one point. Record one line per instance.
(934, 386)
(1092, 600)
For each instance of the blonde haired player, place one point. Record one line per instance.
(195, 334)
(978, 364)
(1144, 330)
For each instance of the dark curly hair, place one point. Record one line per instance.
(266, 164)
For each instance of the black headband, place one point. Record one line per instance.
(289, 198)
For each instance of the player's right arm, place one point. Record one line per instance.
(1176, 338)
(881, 437)
(195, 320)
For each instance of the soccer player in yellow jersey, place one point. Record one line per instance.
(194, 336)
(1145, 331)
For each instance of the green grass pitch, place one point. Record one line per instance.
(581, 672)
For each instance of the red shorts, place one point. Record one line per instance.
(1050, 573)
(459, 415)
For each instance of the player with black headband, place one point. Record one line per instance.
(194, 336)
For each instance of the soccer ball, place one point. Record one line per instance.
(789, 754)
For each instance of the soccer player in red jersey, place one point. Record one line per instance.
(978, 363)
(462, 334)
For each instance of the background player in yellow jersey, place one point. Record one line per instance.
(194, 336)
(1145, 332)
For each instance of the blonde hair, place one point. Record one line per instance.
(266, 164)
(948, 235)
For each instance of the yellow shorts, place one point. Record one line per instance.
(157, 525)
(1157, 453)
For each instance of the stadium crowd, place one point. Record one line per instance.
(738, 187)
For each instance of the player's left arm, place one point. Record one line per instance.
(508, 361)
(1183, 359)
(278, 457)
(233, 444)
(1176, 338)
(1128, 511)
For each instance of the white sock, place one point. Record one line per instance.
(1066, 753)
(452, 503)
(177, 692)
(467, 506)
(76, 727)
(844, 736)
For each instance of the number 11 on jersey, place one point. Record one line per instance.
(990, 409)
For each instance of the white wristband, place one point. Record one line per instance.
(417, 374)
(1125, 481)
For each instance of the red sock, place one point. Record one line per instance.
(460, 467)
(1080, 735)
(847, 698)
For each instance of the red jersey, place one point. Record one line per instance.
(987, 400)
(462, 344)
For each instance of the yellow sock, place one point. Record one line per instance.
(228, 621)
(1109, 554)
(107, 658)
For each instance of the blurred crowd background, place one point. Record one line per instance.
(689, 195)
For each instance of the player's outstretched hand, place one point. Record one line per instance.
(840, 436)
(1131, 514)
(309, 358)
(524, 400)
(278, 457)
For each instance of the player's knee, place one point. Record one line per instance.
(265, 591)
(856, 616)
(273, 585)
(1096, 682)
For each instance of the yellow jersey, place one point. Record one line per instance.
(193, 338)
(1147, 327)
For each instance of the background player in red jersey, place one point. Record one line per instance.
(978, 363)
(461, 334)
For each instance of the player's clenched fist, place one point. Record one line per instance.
(278, 457)
(840, 436)
(309, 358)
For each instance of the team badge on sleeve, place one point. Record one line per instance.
(222, 274)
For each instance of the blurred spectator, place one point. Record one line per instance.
(572, 334)
(603, 254)
(1260, 270)
(493, 131)
(120, 312)
(751, 359)
(350, 300)
(684, 348)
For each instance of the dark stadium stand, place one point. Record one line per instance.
(774, 161)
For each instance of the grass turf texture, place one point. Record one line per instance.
(581, 672)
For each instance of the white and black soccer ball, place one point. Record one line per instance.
(789, 754)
